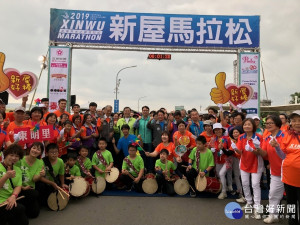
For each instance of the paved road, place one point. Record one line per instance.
(110, 210)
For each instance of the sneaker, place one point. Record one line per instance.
(222, 195)
(256, 215)
(247, 206)
(128, 189)
(241, 199)
(192, 194)
(271, 219)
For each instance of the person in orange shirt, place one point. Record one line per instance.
(62, 104)
(289, 151)
(45, 106)
(66, 139)
(273, 124)
(220, 150)
(62, 119)
(51, 120)
(36, 115)
(19, 114)
(76, 112)
(285, 123)
(9, 116)
(165, 144)
(251, 164)
(178, 136)
(208, 132)
(2, 117)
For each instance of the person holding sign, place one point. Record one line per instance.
(32, 170)
(133, 169)
(11, 211)
(201, 161)
(184, 138)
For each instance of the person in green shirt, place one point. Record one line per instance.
(55, 170)
(32, 170)
(164, 168)
(132, 169)
(105, 165)
(10, 188)
(71, 170)
(206, 163)
(83, 162)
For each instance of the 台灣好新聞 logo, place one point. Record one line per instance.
(233, 211)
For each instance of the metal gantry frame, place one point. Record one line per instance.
(141, 48)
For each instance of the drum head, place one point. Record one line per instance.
(200, 183)
(88, 190)
(181, 186)
(55, 198)
(180, 150)
(149, 186)
(99, 186)
(184, 140)
(78, 187)
(112, 176)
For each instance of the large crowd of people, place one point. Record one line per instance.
(232, 146)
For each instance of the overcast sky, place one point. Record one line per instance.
(185, 80)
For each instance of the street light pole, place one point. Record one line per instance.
(139, 103)
(118, 80)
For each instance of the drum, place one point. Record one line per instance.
(208, 184)
(56, 202)
(79, 187)
(150, 185)
(181, 186)
(200, 183)
(113, 175)
(98, 185)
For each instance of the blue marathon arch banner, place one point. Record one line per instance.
(145, 29)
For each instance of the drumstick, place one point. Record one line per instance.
(59, 191)
(184, 166)
(192, 188)
(5, 203)
(59, 188)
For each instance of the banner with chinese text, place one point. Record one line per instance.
(59, 75)
(144, 29)
(250, 75)
(26, 135)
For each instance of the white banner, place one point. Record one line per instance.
(250, 74)
(59, 75)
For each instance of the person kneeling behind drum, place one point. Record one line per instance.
(71, 170)
(201, 161)
(55, 171)
(163, 168)
(132, 169)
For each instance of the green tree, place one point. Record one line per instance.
(293, 97)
